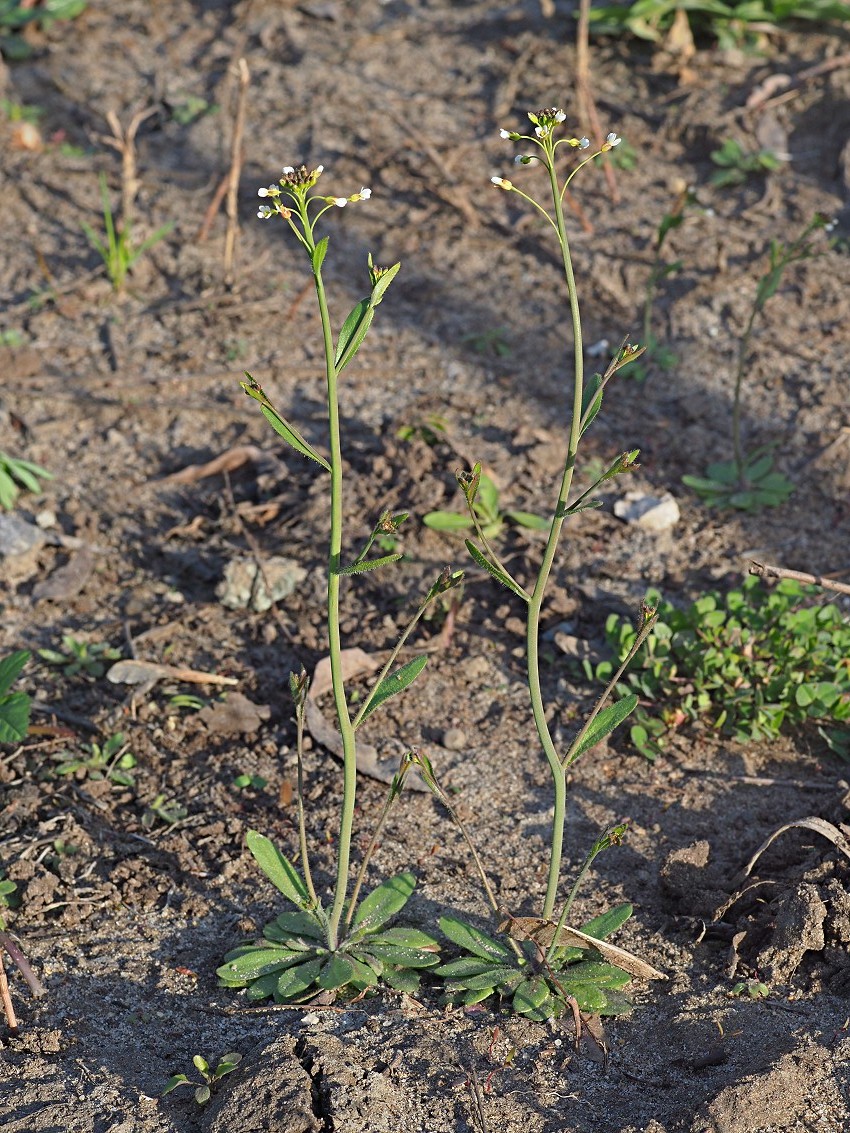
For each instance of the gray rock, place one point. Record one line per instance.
(247, 585)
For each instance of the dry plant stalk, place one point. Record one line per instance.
(125, 142)
(236, 157)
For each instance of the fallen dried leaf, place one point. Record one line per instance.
(543, 932)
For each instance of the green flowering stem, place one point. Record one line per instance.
(535, 604)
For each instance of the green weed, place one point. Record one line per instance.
(14, 706)
(750, 663)
(18, 474)
(485, 513)
(116, 248)
(737, 165)
(110, 760)
(227, 1064)
(86, 657)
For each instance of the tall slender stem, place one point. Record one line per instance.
(349, 750)
(534, 607)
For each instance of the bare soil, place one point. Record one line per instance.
(126, 919)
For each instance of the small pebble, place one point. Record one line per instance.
(454, 739)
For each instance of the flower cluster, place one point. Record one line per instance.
(545, 123)
(296, 184)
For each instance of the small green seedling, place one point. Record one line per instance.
(737, 165)
(484, 513)
(188, 700)
(188, 109)
(493, 341)
(751, 663)
(80, 656)
(12, 338)
(430, 430)
(9, 897)
(753, 989)
(211, 1077)
(14, 706)
(16, 474)
(110, 761)
(254, 782)
(117, 249)
(165, 810)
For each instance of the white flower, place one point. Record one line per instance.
(501, 182)
(560, 116)
(264, 212)
(287, 169)
(504, 134)
(613, 140)
(365, 194)
(584, 143)
(319, 169)
(340, 202)
(262, 192)
(541, 131)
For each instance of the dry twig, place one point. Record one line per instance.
(236, 157)
(764, 570)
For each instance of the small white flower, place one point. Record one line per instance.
(340, 202)
(319, 169)
(560, 116)
(365, 194)
(264, 212)
(287, 169)
(584, 143)
(541, 131)
(262, 192)
(613, 140)
(501, 182)
(504, 134)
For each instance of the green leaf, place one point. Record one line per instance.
(383, 903)
(354, 330)
(402, 957)
(491, 568)
(529, 519)
(530, 996)
(607, 923)
(605, 723)
(281, 426)
(395, 683)
(14, 717)
(319, 253)
(174, 1082)
(591, 402)
(464, 967)
(406, 937)
(278, 869)
(383, 283)
(245, 964)
(402, 979)
(289, 924)
(200, 1063)
(202, 1095)
(338, 972)
(10, 668)
(369, 564)
(493, 976)
(595, 972)
(446, 521)
(473, 940)
(295, 980)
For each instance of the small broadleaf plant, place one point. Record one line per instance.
(485, 511)
(294, 961)
(539, 984)
(227, 1064)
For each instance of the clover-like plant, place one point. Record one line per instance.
(534, 976)
(752, 663)
(340, 947)
(750, 481)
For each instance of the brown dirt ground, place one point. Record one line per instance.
(125, 922)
